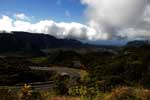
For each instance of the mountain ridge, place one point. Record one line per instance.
(26, 42)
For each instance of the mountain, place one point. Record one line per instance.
(138, 43)
(33, 43)
(40, 41)
(37, 44)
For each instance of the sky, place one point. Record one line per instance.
(57, 10)
(87, 20)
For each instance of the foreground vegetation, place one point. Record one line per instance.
(120, 93)
(120, 74)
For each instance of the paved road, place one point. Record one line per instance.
(70, 71)
(49, 85)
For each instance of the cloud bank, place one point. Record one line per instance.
(106, 20)
(21, 16)
(119, 19)
(60, 30)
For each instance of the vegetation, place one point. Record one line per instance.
(122, 74)
(76, 93)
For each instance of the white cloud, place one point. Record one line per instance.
(60, 30)
(132, 33)
(21, 16)
(114, 16)
(146, 16)
(107, 20)
(6, 23)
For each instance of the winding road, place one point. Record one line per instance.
(49, 85)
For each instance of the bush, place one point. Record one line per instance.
(83, 92)
(127, 93)
(29, 94)
(121, 94)
(8, 94)
(61, 86)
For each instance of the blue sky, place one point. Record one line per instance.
(87, 20)
(45, 9)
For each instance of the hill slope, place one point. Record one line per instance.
(25, 43)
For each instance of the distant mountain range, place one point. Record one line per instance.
(24, 43)
(138, 43)
(41, 41)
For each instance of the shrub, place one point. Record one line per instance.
(8, 94)
(83, 92)
(61, 86)
(36, 96)
(128, 93)
(143, 94)
(27, 93)
(123, 93)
